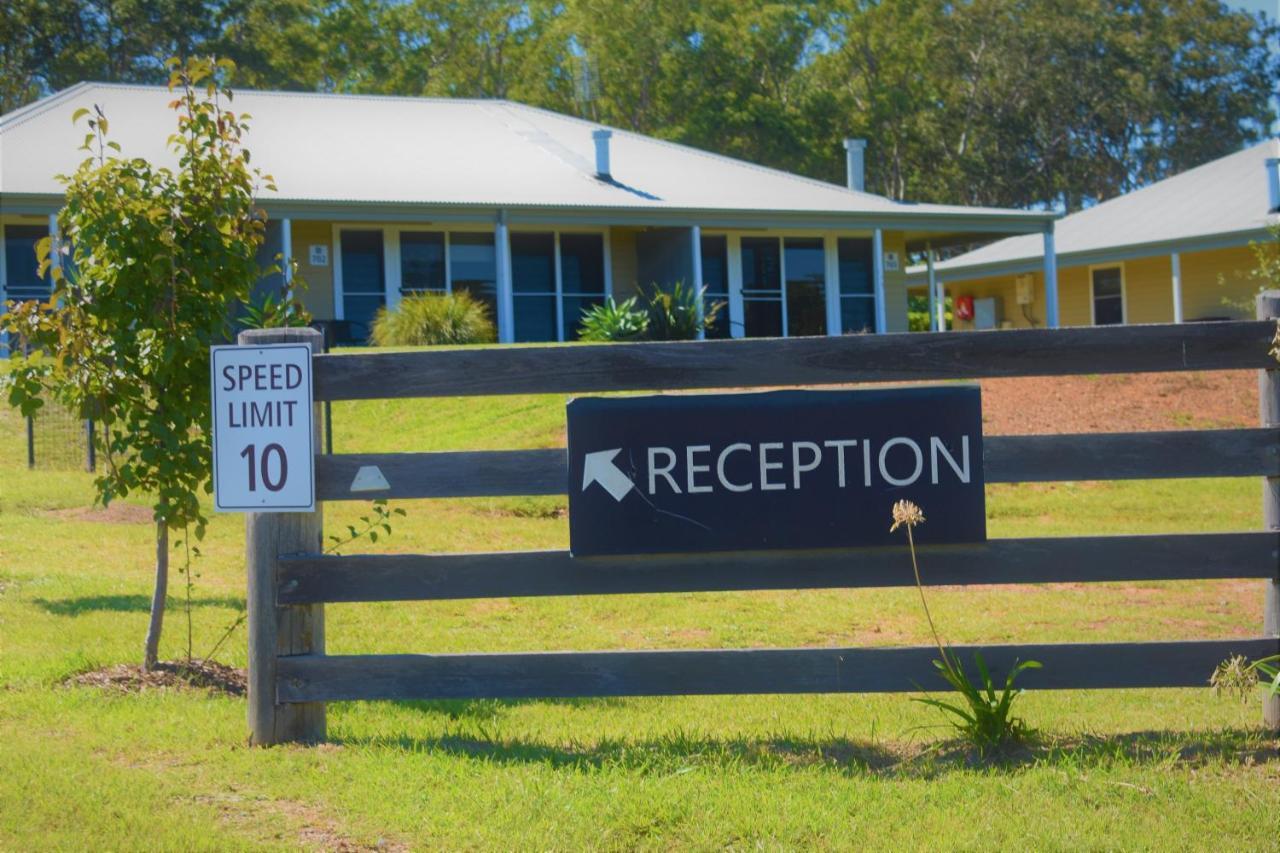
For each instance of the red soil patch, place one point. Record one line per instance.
(1120, 403)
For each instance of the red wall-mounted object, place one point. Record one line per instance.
(964, 308)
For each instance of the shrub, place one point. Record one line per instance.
(434, 319)
(614, 321)
(664, 315)
(986, 719)
(673, 314)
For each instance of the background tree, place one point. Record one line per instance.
(151, 262)
(999, 102)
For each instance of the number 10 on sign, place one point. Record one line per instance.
(263, 435)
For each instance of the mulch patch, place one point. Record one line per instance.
(197, 675)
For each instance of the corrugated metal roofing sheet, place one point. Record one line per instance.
(1223, 197)
(423, 151)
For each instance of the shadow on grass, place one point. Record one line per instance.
(682, 751)
(125, 604)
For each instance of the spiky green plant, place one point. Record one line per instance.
(613, 321)
(985, 719)
(673, 314)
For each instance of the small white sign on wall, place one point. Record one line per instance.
(891, 261)
(263, 453)
(319, 255)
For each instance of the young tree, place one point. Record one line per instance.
(150, 263)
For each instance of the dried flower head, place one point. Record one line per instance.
(1235, 677)
(905, 512)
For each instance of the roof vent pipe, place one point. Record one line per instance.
(1273, 183)
(855, 174)
(602, 153)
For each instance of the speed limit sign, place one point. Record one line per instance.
(263, 438)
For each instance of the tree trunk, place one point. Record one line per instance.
(157, 597)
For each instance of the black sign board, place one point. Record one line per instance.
(782, 469)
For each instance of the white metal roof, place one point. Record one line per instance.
(349, 149)
(1223, 202)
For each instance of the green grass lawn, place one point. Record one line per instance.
(81, 767)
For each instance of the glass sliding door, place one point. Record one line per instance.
(715, 278)
(581, 278)
(533, 282)
(762, 287)
(805, 262)
(473, 268)
(857, 286)
(363, 281)
(422, 268)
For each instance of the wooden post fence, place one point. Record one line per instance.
(290, 580)
(278, 631)
(1269, 410)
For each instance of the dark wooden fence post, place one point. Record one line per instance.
(1269, 410)
(274, 630)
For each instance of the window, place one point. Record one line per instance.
(533, 282)
(363, 281)
(857, 286)
(422, 267)
(21, 269)
(581, 278)
(1108, 296)
(761, 287)
(473, 267)
(715, 278)
(805, 262)
(555, 277)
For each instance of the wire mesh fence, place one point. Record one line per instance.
(59, 440)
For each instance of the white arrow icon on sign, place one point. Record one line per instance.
(598, 467)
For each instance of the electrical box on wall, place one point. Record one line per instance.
(1024, 289)
(987, 313)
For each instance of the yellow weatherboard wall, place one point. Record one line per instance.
(1216, 284)
(318, 294)
(895, 284)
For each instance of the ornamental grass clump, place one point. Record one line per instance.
(434, 319)
(985, 719)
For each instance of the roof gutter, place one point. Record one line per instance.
(1007, 223)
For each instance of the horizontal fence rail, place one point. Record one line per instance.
(408, 577)
(1007, 459)
(292, 678)
(794, 361)
(315, 678)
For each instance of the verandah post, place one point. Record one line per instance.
(1268, 304)
(276, 631)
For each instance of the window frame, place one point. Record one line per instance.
(1093, 297)
(830, 237)
(392, 281)
(5, 286)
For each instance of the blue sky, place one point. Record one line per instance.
(1271, 7)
